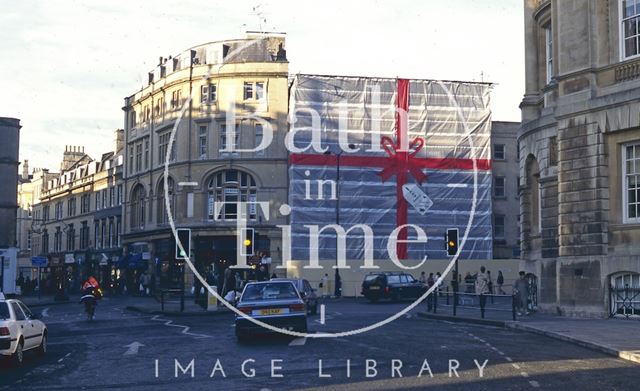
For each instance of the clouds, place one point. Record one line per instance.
(66, 66)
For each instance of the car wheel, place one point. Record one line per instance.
(18, 356)
(42, 349)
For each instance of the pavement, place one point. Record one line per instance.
(131, 350)
(616, 337)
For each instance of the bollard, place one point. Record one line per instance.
(483, 300)
(513, 306)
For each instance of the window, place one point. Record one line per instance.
(17, 311)
(163, 144)
(248, 91)
(118, 231)
(176, 99)
(162, 215)
(85, 204)
(629, 28)
(227, 188)
(71, 238)
(103, 233)
(59, 207)
(96, 233)
(131, 159)
(133, 118)
(260, 95)
(45, 241)
(119, 194)
(631, 178)
(499, 187)
(111, 234)
(29, 240)
(57, 240)
(138, 199)
(208, 93)
(105, 204)
(553, 151)
(498, 227)
(259, 136)
(224, 148)
(138, 157)
(84, 235)
(158, 110)
(71, 207)
(498, 151)
(202, 142)
(98, 200)
(146, 153)
(45, 213)
(549, 52)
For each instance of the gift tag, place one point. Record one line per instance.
(417, 198)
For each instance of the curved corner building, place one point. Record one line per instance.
(200, 92)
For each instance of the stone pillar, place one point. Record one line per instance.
(9, 147)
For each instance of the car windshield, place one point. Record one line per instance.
(4, 311)
(393, 279)
(371, 277)
(270, 291)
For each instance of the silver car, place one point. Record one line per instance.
(276, 303)
(20, 330)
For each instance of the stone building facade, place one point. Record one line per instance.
(76, 218)
(580, 156)
(188, 112)
(505, 201)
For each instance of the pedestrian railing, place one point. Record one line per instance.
(471, 301)
(166, 294)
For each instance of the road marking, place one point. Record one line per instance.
(508, 359)
(534, 384)
(524, 374)
(298, 342)
(456, 185)
(185, 329)
(45, 312)
(321, 313)
(65, 356)
(516, 366)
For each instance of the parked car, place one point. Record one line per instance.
(20, 330)
(391, 285)
(307, 293)
(277, 303)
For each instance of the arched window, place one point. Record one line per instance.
(138, 196)
(228, 188)
(163, 216)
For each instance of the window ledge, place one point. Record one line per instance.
(625, 226)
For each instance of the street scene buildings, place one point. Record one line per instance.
(258, 222)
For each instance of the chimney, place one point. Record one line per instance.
(25, 169)
(119, 139)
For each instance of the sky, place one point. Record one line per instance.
(66, 66)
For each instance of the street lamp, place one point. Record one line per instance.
(352, 147)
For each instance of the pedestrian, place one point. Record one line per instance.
(438, 283)
(521, 292)
(423, 278)
(324, 285)
(274, 275)
(500, 283)
(482, 285)
(490, 283)
(145, 279)
(338, 288)
(469, 280)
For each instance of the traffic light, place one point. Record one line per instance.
(184, 238)
(452, 241)
(247, 241)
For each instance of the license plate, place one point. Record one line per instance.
(374, 288)
(271, 311)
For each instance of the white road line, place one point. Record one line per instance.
(45, 312)
(508, 359)
(298, 342)
(321, 313)
(456, 185)
(185, 329)
(534, 384)
(524, 374)
(516, 366)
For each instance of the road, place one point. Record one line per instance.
(129, 350)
